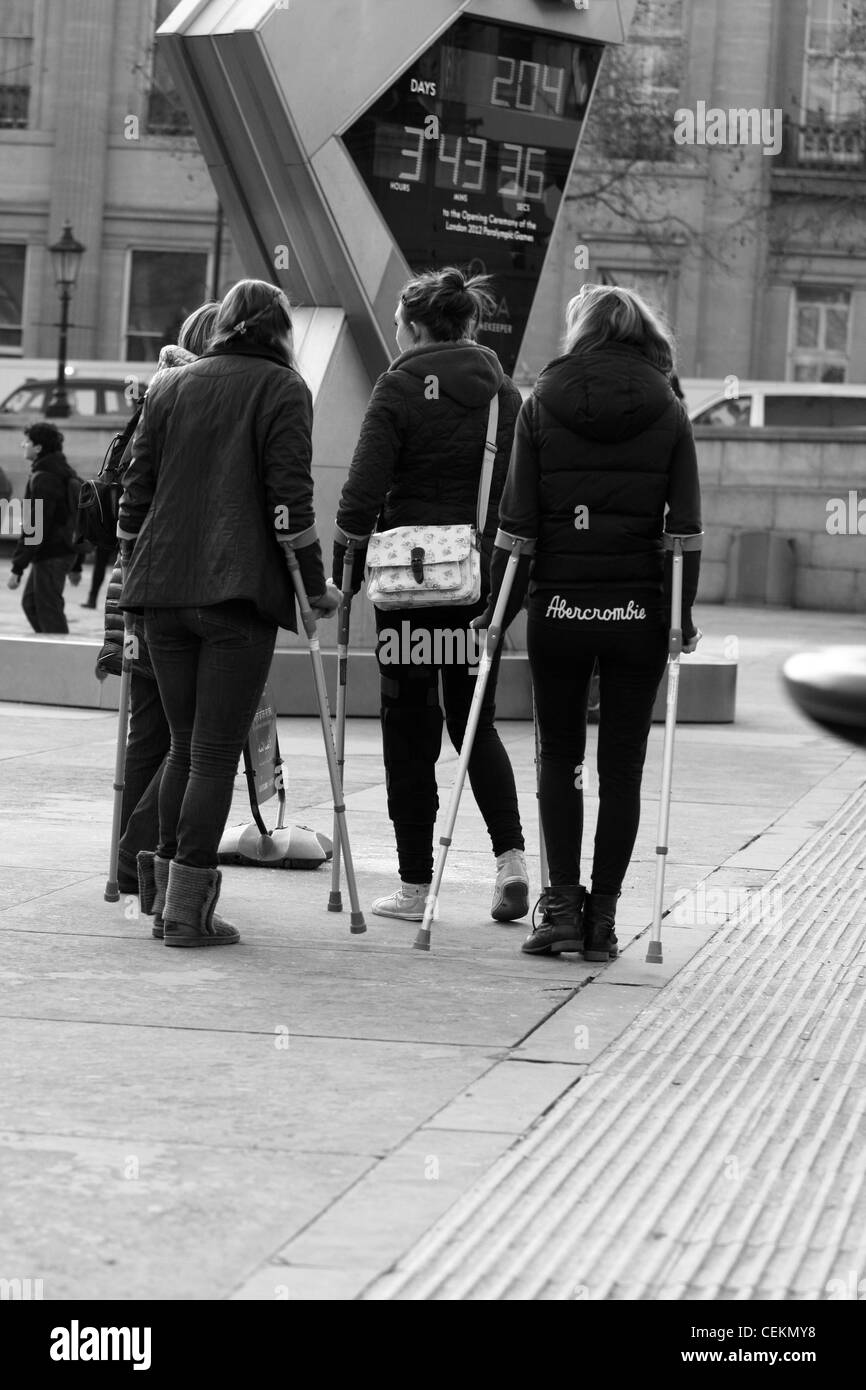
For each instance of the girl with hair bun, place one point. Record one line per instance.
(604, 463)
(419, 461)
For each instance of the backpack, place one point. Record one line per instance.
(98, 498)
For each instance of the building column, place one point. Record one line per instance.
(82, 98)
(739, 180)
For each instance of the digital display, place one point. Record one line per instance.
(468, 154)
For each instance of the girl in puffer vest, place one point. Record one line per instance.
(603, 465)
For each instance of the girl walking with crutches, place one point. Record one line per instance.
(603, 466)
(419, 462)
(219, 486)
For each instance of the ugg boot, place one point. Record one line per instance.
(511, 891)
(189, 908)
(152, 886)
(599, 941)
(561, 925)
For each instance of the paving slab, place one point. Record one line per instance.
(123, 1218)
(304, 1111)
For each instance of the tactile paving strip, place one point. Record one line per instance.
(716, 1149)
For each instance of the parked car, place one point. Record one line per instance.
(785, 404)
(88, 395)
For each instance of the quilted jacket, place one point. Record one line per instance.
(220, 466)
(110, 659)
(419, 456)
(604, 462)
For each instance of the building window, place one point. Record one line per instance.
(832, 126)
(820, 334)
(16, 63)
(164, 287)
(165, 112)
(12, 259)
(632, 115)
(652, 285)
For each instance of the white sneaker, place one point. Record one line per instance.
(408, 902)
(511, 892)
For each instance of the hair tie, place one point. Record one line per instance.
(240, 328)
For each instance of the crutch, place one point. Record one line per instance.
(675, 646)
(112, 893)
(516, 544)
(542, 844)
(335, 900)
(341, 834)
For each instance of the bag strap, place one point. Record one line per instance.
(489, 460)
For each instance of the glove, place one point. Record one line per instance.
(325, 605)
(74, 578)
(359, 560)
(498, 566)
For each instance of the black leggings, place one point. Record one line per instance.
(631, 664)
(412, 733)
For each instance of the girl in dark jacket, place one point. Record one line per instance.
(604, 463)
(48, 548)
(219, 484)
(419, 460)
(149, 738)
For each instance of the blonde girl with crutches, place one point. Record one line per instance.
(603, 466)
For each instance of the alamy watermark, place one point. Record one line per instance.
(846, 516)
(709, 907)
(438, 646)
(22, 518)
(737, 126)
(20, 1290)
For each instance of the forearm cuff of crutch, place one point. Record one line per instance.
(506, 541)
(345, 537)
(691, 542)
(300, 539)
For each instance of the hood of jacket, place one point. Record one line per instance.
(171, 356)
(467, 372)
(610, 394)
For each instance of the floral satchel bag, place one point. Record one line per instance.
(430, 566)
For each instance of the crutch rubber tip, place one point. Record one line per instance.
(654, 953)
(422, 940)
(335, 902)
(111, 894)
(357, 923)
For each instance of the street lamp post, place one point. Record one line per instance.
(66, 255)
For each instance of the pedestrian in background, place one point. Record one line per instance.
(604, 462)
(103, 556)
(221, 458)
(419, 460)
(50, 550)
(148, 738)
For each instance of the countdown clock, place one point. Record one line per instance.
(352, 142)
(467, 155)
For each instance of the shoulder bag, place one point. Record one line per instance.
(431, 566)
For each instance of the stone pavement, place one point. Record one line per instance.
(316, 1115)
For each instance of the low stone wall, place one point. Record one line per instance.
(788, 483)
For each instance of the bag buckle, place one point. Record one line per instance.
(417, 562)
